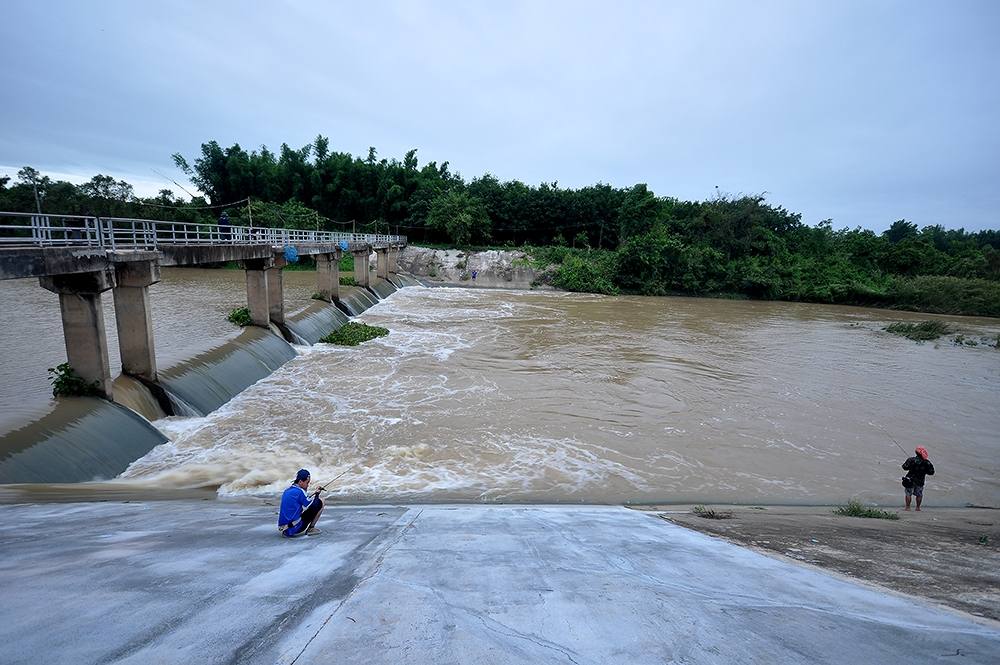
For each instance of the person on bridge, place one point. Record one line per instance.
(224, 226)
(917, 467)
(298, 514)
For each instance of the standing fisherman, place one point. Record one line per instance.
(298, 514)
(225, 227)
(916, 468)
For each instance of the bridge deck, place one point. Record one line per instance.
(41, 245)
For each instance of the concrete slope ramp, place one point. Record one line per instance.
(400, 280)
(199, 386)
(128, 583)
(80, 439)
(355, 300)
(316, 321)
(382, 288)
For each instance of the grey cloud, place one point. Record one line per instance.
(864, 112)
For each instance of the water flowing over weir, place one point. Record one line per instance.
(356, 299)
(189, 384)
(400, 280)
(316, 321)
(203, 384)
(81, 439)
(383, 288)
(482, 395)
(493, 395)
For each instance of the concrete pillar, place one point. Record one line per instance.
(328, 276)
(83, 323)
(276, 290)
(382, 262)
(133, 317)
(257, 296)
(361, 266)
(394, 259)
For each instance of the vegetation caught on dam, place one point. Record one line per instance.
(598, 238)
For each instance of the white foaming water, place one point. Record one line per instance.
(524, 396)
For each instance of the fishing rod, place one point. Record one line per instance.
(890, 437)
(322, 488)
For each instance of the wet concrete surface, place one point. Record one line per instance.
(948, 555)
(213, 582)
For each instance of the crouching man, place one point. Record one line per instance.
(298, 514)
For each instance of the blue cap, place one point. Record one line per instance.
(301, 475)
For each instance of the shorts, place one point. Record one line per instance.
(916, 490)
(308, 515)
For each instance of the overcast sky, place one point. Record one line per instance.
(864, 112)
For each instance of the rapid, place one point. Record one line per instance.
(517, 396)
(522, 396)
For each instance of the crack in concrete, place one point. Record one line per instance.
(525, 636)
(473, 613)
(373, 571)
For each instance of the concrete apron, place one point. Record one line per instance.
(213, 582)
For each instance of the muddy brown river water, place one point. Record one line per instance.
(484, 395)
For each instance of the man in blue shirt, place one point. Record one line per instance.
(298, 514)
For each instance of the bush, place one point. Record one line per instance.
(595, 275)
(353, 333)
(710, 514)
(546, 256)
(855, 508)
(920, 332)
(240, 316)
(946, 295)
(67, 383)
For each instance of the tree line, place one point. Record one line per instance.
(604, 238)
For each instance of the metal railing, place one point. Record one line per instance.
(20, 229)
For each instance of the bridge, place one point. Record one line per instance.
(81, 257)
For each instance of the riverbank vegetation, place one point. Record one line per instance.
(67, 383)
(354, 333)
(240, 316)
(920, 332)
(855, 508)
(598, 238)
(711, 513)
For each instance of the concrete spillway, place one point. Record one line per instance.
(383, 288)
(209, 380)
(316, 321)
(399, 280)
(80, 439)
(356, 299)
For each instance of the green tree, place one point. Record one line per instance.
(461, 216)
(638, 212)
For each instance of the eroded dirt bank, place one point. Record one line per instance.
(505, 269)
(948, 555)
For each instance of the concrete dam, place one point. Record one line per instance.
(79, 258)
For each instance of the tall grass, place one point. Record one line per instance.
(711, 514)
(855, 508)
